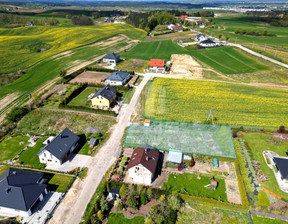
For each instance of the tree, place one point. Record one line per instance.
(174, 202)
(263, 199)
(220, 35)
(96, 15)
(143, 198)
(227, 38)
(100, 215)
(149, 193)
(236, 31)
(123, 191)
(132, 202)
(16, 114)
(118, 204)
(104, 204)
(62, 73)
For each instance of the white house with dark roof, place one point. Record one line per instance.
(20, 192)
(200, 37)
(281, 164)
(143, 166)
(56, 151)
(208, 43)
(117, 78)
(111, 58)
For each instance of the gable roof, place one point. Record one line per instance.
(118, 76)
(111, 56)
(107, 92)
(207, 41)
(19, 189)
(146, 157)
(200, 35)
(282, 164)
(61, 144)
(157, 62)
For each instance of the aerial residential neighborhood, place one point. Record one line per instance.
(143, 112)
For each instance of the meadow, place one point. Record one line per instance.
(233, 104)
(19, 46)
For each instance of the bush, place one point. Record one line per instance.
(104, 204)
(263, 199)
(143, 198)
(123, 191)
(100, 215)
(122, 163)
(16, 114)
(132, 202)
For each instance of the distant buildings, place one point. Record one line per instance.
(29, 23)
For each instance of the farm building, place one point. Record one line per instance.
(104, 97)
(200, 37)
(157, 65)
(143, 166)
(93, 142)
(20, 192)
(111, 58)
(118, 78)
(282, 166)
(208, 43)
(56, 151)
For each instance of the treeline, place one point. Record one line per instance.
(8, 19)
(252, 32)
(82, 20)
(274, 18)
(201, 14)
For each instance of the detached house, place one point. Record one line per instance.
(157, 65)
(282, 169)
(143, 166)
(111, 58)
(104, 97)
(118, 78)
(200, 37)
(208, 43)
(56, 151)
(20, 192)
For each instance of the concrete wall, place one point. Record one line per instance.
(13, 213)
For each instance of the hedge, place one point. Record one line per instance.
(75, 93)
(87, 109)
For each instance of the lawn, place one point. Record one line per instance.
(12, 146)
(189, 184)
(82, 98)
(119, 218)
(58, 182)
(233, 104)
(257, 144)
(51, 122)
(228, 60)
(156, 49)
(29, 157)
(85, 149)
(3, 169)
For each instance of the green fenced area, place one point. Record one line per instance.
(202, 139)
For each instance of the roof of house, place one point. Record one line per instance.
(118, 76)
(111, 56)
(114, 190)
(207, 41)
(92, 141)
(61, 144)
(146, 157)
(282, 164)
(107, 92)
(200, 35)
(157, 62)
(19, 189)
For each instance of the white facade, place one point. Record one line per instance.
(110, 61)
(209, 44)
(117, 82)
(200, 38)
(48, 158)
(157, 69)
(170, 27)
(140, 175)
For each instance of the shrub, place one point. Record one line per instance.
(118, 204)
(263, 199)
(104, 204)
(100, 215)
(16, 114)
(123, 191)
(132, 202)
(143, 198)
(125, 159)
(122, 163)
(174, 201)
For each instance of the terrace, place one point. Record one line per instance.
(191, 138)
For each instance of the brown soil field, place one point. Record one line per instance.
(90, 77)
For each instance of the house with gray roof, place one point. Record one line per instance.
(104, 97)
(56, 151)
(200, 37)
(20, 192)
(208, 43)
(117, 78)
(111, 58)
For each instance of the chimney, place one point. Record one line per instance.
(147, 158)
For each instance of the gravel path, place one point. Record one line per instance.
(72, 208)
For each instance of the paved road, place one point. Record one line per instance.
(72, 208)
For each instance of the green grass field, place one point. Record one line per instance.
(58, 182)
(228, 60)
(82, 98)
(233, 104)
(156, 49)
(29, 157)
(119, 218)
(52, 122)
(189, 184)
(3, 169)
(257, 144)
(11, 147)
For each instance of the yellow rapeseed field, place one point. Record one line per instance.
(233, 104)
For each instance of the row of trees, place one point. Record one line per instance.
(14, 19)
(82, 20)
(252, 32)
(274, 18)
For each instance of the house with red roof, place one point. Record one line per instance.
(157, 65)
(143, 166)
(183, 17)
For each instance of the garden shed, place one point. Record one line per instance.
(175, 156)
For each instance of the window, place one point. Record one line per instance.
(42, 159)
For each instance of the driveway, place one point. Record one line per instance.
(72, 208)
(74, 161)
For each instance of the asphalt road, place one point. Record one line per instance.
(72, 208)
